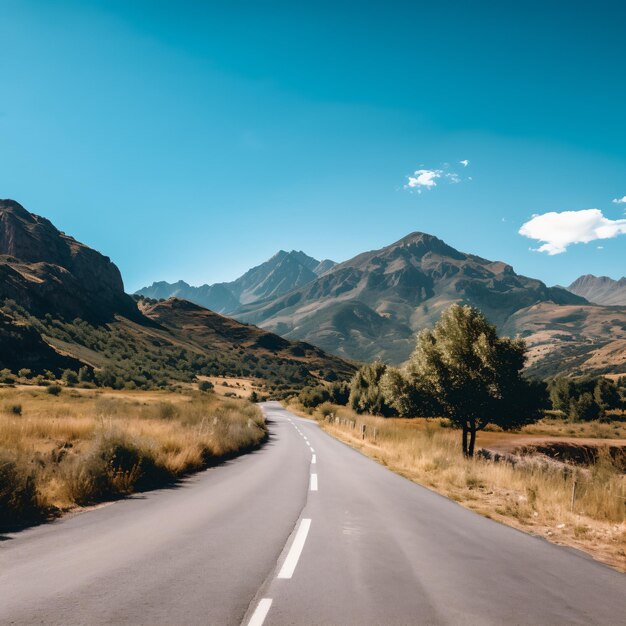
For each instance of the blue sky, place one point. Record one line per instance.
(194, 139)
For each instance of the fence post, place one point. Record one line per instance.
(363, 427)
(574, 492)
(375, 431)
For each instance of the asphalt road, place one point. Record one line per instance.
(303, 531)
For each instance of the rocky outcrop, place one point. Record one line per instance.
(46, 271)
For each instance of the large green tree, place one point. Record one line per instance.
(474, 376)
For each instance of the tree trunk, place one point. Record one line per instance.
(472, 443)
(465, 431)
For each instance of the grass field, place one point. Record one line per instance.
(530, 496)
(84, 446)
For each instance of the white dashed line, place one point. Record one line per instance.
(313, 482)
(313, 460)
(260, 613)
(289, 566)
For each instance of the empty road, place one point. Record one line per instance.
(304, 531)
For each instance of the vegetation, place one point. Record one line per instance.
(587, 398)
(366, 393)
(461, 370)
(122, 355)
(86, 445)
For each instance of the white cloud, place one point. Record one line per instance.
(430, 178)
(621, 200)
(559, 230)
(423, 179)
(464, 162)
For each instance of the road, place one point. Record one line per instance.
(304, 531)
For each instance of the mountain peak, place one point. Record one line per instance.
(600, 289)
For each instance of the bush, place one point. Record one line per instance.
(366, 394)
(70, 377)
(16, 409)
(585, 409)
(310, 397)
(166, 410)
(205, 386)
(6, 377)
(24, 373)
(117, 466)
(54, 390)
(18, 496)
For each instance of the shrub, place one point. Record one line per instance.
(310, 397)
(70, 377)
(166, 410)
(205, 386)
(366, 394)
(24, 373)
(54, 390)
(18, 496)
(16, 409)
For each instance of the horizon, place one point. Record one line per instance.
(186, 145)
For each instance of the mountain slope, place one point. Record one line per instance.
(372, 305)
(50, 272)
(587, 339)
(600, 289)
(62, 305)
(281, 274)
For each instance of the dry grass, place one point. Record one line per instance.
(529, 496)
(85, 446)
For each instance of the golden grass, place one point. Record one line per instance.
(87, 445)
(529, 496)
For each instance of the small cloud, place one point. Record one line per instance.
(600, 247)
(621, 200)
(560, 230)
(464, 162)
(423, 179)
(430, 178)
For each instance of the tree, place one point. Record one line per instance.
(366, 394)
(561, 392)
(474, 376)
(584, 409)
(407, 394)
(606, 395)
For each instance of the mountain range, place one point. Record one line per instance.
(63, 305)
(600, 289)
(279, 275)
(371, 307)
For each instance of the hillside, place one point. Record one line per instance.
(279, 275)
(564, 339)
(600, 289)
(372, 305)
(62, 305)
(47, 271)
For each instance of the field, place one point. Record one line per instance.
(84, 446)
(538, 497)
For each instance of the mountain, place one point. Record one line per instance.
(62, 305)
(600, 289)
(566, 339)
(281, 274)
(50, 272)
(372, 305)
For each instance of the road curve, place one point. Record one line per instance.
(304, 531)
